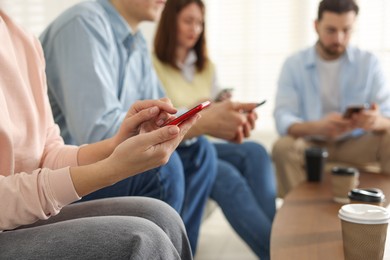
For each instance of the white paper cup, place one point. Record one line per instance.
(364, 229)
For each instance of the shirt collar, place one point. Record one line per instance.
(122, 30)
(188, 68)
(190, 60)
(310, 60)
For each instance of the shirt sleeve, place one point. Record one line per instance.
(55, 153)
(380, 92)
(151, 84)
(83, 80)
(287, 110)
(29, 195)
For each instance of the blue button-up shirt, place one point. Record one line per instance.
(96, 69)
(298, 97)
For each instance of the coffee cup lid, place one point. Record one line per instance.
(318, 151)
(364, 214)
(367, 195)
(345, 171)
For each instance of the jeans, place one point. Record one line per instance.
(200, 167)
(185, 183)
(245, 190)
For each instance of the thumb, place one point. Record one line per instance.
(246, 107)
(160, 135)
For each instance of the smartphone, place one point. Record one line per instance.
(354, 109)
(188, 114)
(261, 103)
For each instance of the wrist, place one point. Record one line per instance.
(91, 177)
(196, 130)
(382, 125)
(111, 144)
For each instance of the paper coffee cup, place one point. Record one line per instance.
(364, 230)
(344, 179)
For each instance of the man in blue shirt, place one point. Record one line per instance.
(315, 88)
(97, 66)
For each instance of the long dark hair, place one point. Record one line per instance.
(165, 41)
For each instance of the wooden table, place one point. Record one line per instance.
(307, 225)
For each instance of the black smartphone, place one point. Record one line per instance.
(261, 103)
(354, 109)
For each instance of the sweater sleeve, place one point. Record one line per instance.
(27, 198)
(55, 153)
(35, 181)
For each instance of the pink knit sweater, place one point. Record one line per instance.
(35, 182)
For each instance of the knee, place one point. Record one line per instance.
(207, 148)
(143, 238)
(281, 147)
(385, 142)
(256, 151)
(228, 178)
(161, 211)
(208, 158)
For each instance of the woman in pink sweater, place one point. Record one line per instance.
(39, 175)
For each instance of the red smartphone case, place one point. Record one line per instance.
(188, 114)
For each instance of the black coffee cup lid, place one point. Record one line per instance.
(317, 151)
(367, 195)
(345, 171)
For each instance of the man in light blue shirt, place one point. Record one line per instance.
(315, 88)
(98, 65)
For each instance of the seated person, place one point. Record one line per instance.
(316, 86)
(244, 187)
(98, 65)
(40, 176)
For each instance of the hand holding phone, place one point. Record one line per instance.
(188, 114)
(354, 110)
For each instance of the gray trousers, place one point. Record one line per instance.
(118, 228)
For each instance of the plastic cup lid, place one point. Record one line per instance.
(367, 195)
(317, 151)
(364, 214)
(345, 171)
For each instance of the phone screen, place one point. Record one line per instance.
(188, 114)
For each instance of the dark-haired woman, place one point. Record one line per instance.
(244, 187)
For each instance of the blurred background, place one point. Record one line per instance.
(248, 41)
